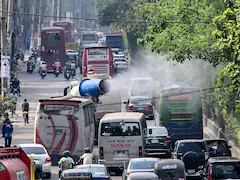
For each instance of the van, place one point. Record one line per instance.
(121, 136)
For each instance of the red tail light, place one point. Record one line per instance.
(30, 66)
(140, 151)
(167, 139)
(149, 107)
(101, 153)
(130, 107)
(47, 160)
(210, 172)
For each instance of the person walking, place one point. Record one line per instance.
(25, 109)
(7, 131)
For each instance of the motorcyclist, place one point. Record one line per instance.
(73, 67)
(66, 162)
(57, 64)
(43, 67)
(67, 67)
(30, 62)
(87, 157)
(16, 84)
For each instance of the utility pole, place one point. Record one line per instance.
(10, 16)
(39, 23)
(53, 10)
(3, 47)
(33, 23)
(58, 10)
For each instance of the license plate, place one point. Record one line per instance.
(191, 171)
(121, 154)
(154, 141)
(140, 109)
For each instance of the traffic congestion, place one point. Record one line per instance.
(93, 127)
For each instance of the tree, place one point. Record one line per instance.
(182, 29)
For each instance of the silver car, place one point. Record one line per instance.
(39, 153)
(139, 165)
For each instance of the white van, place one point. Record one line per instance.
(121, 136)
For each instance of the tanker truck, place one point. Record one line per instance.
(67, 122)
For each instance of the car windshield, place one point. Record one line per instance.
(119, 60)
(33, 150)
(118, 129)
(217, 144)
(140, 101)
(142, 164)
(191, 146)
(161, 131)
(96, 171)
(226, 170)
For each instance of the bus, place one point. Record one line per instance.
(180, 111)
(68, 29)
(121, 136)
(88, 37)
(99, 58)
(53, 46)
(115, 40)
(65, 123)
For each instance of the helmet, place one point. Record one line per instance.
(87, 150)
(57, 59)
(66, 153)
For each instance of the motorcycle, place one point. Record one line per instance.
(30, 69)
(67, 74)
(57, 71)
(73, 73)
(43, 74)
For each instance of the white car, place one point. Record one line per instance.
(39, 153)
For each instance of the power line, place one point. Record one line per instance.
(104, 19)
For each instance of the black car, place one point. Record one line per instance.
(218, 147)
(158, 141)
(141, 104)
(193, 153)
(222, 168)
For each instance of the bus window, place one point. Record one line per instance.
(117, 129)
(53, 36)
(89, 37)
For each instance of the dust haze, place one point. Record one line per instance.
(197, 73)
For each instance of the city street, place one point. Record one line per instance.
(34, 88)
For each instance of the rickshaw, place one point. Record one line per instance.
(143, 176)
(72, 174)
(170, 169)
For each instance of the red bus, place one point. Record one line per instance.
(53, 46)
(68, 29)
(99, 58)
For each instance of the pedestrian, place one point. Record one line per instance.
(7, 131)
(25, 108)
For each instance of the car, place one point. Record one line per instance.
(143, 176)
(120, 63)
(218, 147)
(39, 153)
(98, 171)
(193, 152)
(158, 141)
(141, 104)
(139, 165)
(222, 168)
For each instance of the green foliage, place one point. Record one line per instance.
(182, 29)
(6, 106)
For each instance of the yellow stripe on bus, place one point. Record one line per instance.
(181, 119)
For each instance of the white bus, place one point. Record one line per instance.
(121, 137)
(88, 37)
(65, 123)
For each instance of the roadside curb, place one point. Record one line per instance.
(215, 129)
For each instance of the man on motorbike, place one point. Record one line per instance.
(87, 157)
(57, 64)
(66, 162)
(73, 67)
(16, 84)
(67, 67)
(30, 62)
(43, 67)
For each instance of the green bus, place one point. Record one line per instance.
(180, 111)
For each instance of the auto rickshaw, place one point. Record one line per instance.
(143, 176)
(170, 169)
(75, 174)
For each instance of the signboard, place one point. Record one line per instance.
(72, 46)
(59, 109)
(96, 54)
(20, 175)
(5, 67)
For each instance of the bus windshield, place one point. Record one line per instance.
(120, 129)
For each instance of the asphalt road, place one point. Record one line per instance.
(34, 88)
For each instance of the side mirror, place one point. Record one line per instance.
(124, 102)
(150, 131)
(230, 146)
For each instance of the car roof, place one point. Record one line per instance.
(139, 97)
(223, 159)
(91, 165)
(190, 140)
(144, 159)
(143, 175)
(122, 116)
(30, 145)
(156, 127)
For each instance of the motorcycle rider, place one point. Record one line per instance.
(16, 84)
(25, 108)
(43, 67)
(30, 63)
(73, 67)
(66, 162)
(57, 64)
(87, 157)
(67, 67)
